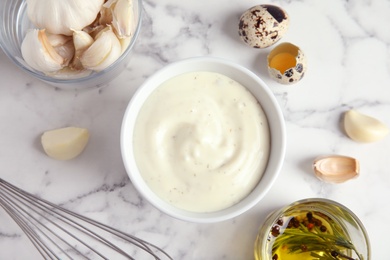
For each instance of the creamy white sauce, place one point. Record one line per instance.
(201, 141)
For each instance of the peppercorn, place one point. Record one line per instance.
(334, 253)
(280, 222)
(295, 222)
(275, 231)
(317, 222)
(309, 216)
(323, 228)
(275, 257)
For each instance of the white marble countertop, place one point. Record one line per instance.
(347, 44)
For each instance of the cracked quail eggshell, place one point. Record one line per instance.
(263, 25)
(287, 63)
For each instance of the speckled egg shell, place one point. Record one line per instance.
(292, 74)
(263, 25)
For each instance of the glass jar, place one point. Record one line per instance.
(14, 24)
(298, 231)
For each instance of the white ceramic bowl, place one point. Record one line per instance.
(238, 73)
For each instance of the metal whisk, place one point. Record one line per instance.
(58, 233)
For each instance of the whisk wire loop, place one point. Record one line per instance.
(58, 233)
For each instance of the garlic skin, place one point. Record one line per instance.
(105, 50)
(39, 53)
(363, 128)
(59, 17)
(105, 15)
(336, 168)
(123, 18)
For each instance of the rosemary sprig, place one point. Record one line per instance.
(302, 239)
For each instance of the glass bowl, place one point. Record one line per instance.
(14, 24)
(312, 229)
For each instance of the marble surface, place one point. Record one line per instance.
(347, 44)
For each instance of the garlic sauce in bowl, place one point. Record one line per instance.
(203, 139)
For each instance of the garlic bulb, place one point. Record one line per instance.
(59, 17)
(40, 54)
(336, 168)
(105, 50)
(363, 128)
(77, 36)
(123, 18)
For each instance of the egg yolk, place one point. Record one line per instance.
(283, 62)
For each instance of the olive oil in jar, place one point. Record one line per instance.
(308, 235)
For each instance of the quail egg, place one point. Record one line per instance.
(263, 25)
(286, 63)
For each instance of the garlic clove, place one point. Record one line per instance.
(64, 143)
(63, 45)
(59, 17)
(39, 53)
(105, 50)
(123, 18)
(70, 73)
(82, 41)
(336, 168)
(105, 17)
(125, 42)
(94, 30)
(363, 128)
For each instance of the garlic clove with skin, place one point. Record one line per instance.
(63, 45)
(363, 128)
(58, 17)
(105, 15)
(82, 41)
(39, 53)
(123, 18)
(105, 50)
(336, 168)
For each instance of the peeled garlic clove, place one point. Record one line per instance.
(39, 54)
(363, 128)
(336, 168)
(103, 52)
(59, 17)
(286, 63)
(123, 18)
(65, 143)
